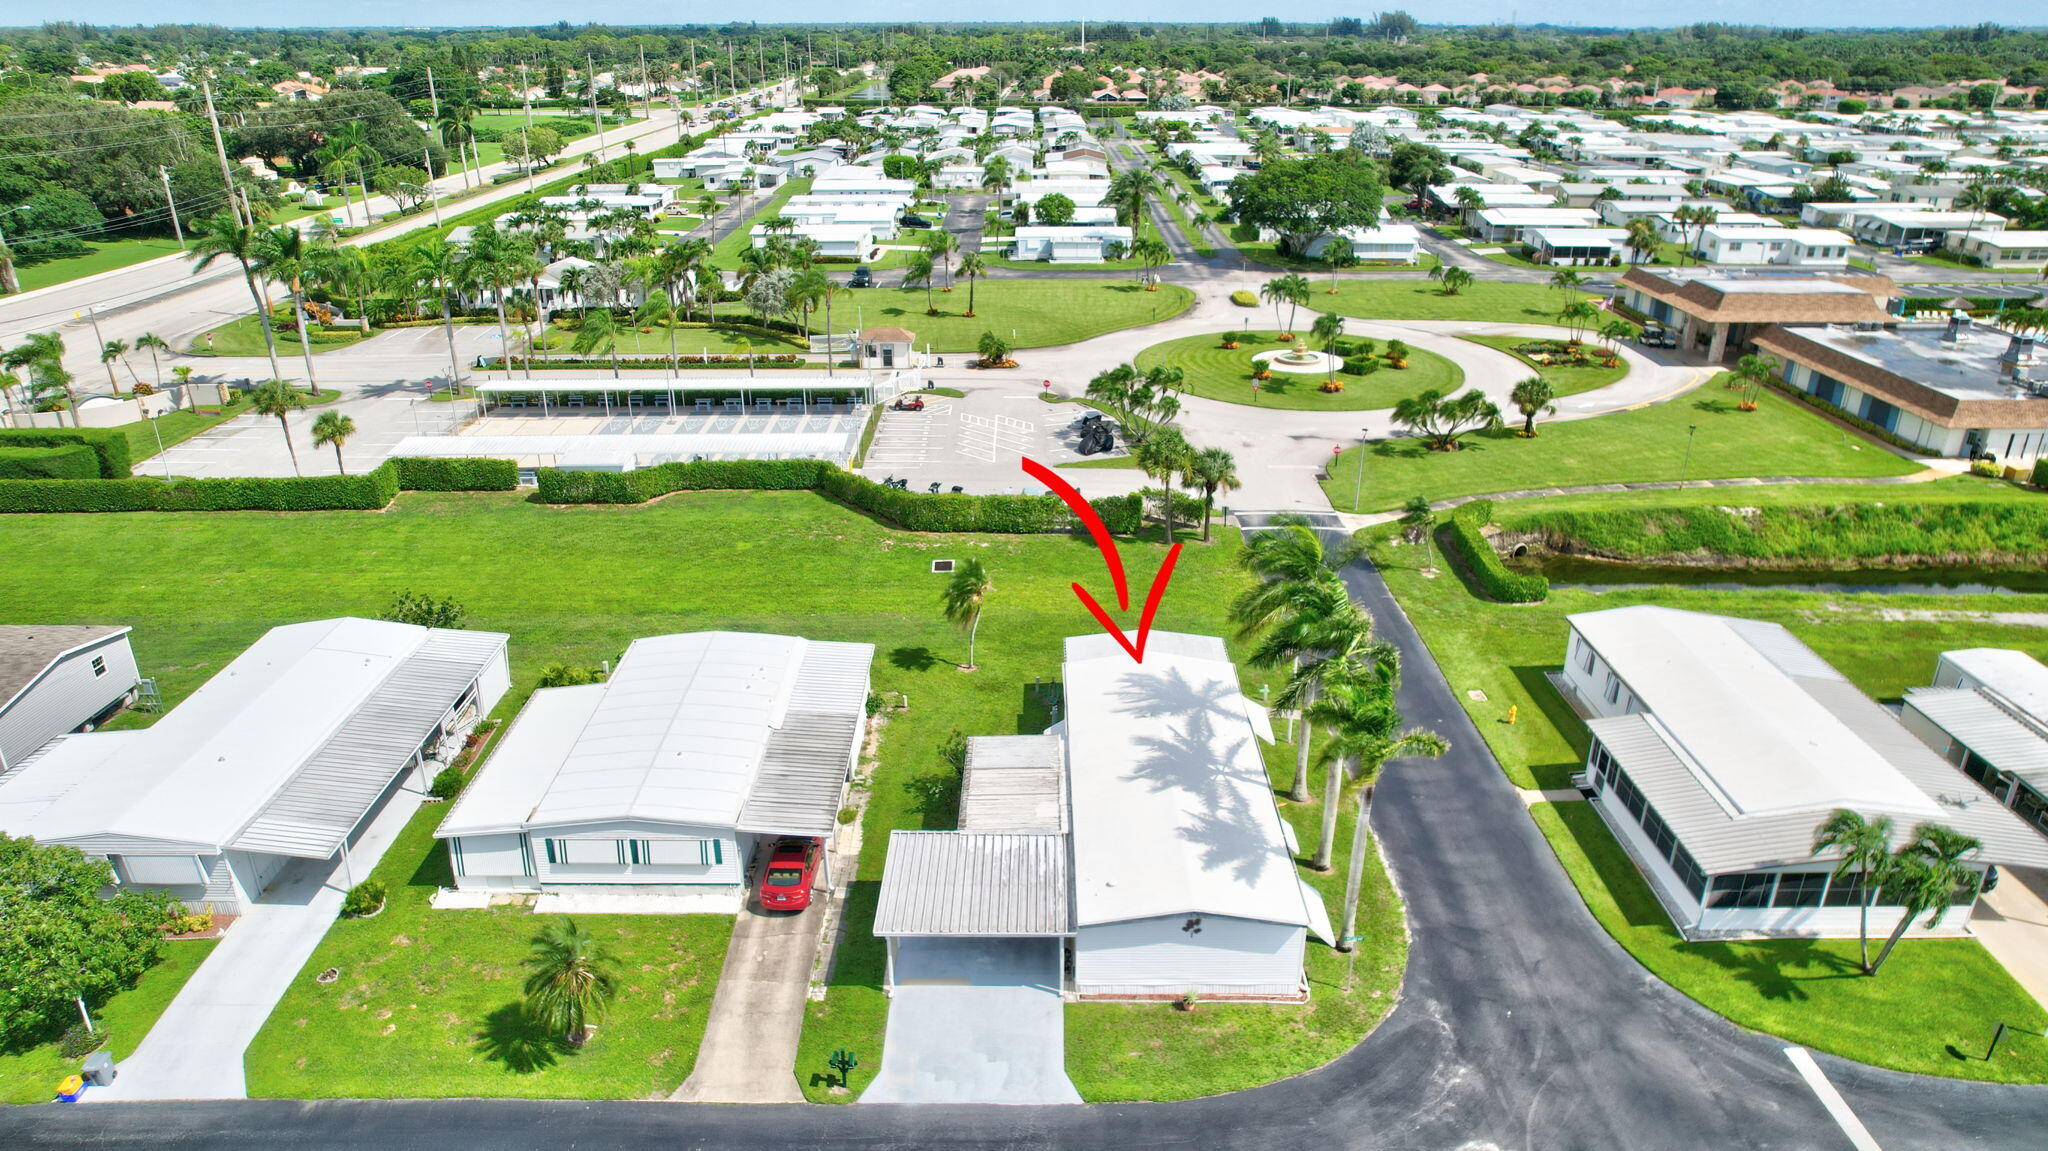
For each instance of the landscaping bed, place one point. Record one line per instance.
(1219, 373)
(1570, 369)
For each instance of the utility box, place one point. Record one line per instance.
(99, 1069)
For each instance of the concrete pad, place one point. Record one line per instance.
(975, 1021)
(627, 901)
(2012, 923)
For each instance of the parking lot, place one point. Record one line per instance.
(975, 442)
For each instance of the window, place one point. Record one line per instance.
(1625, 790)
(586, 851)
(1844, 891)
(682, 852)
(1587, 659)
(1800, 889)
(1689, 872)
(1750, 890)
(1613, 687)
(99, 666)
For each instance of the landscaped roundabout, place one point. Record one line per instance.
(1358, 373)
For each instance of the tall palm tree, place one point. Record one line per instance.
(286, 256)
(279, 399)
(1643, 240)
(1151, 251)
(42, 354)
(222, 235)
(152, 343)
(1419, 517)
(941, 245)
(570, 979)
(348, 150)
(1211, 469)
(1864, 847)
(1163, 455)
(1328, 329)
(658, 309)
(1320, 632)
(807, 294)
(921, 270)
(110, 352)
(1359, 712)
(331, 430)
(1577, 315)
(598, 331)
(1531, 397)
(1926, 878)
(1567, 281)
(1291, 560)
(962, 599)
(973, 266)
(436, 270)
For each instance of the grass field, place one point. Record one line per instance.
(1034, 313)
(243, 336)
(428, 1002)
(1565, 381)
(726, 253)
(1423, 300)
(31, 1076)
(614, 575)
(1932, 994)
(1780, 438)
(177, 427)
(103, 256)
(1224, 374)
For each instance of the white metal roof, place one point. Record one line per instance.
(2017, 676)
(1981, 722)
(969, 883)
(288, 738)
(1724, 691)
(721, 729)
(651, 448)
(1172, 810)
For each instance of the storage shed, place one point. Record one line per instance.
(58, 678)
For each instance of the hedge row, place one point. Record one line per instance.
(913, 511)
(2041, 473)
(1846, 416)
(1464, 536)
(365, 491)
(56, 462)
(108, 445)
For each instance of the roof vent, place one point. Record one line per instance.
(2019, 351)
(940, 567)
(1958, 328)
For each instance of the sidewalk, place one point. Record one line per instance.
(2012, 924)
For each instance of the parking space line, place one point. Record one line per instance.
(1837, 1107)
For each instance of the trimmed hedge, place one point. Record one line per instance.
(1848, 417)
(1465, 537)
(2041, 473)
(56, 462)
(456, 475)
(110, 446)
(913, 511)
(366, 491)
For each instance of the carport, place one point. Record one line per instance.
(976, 926)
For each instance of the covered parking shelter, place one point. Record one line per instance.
(730, 393)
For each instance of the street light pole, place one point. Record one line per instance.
(1358, 481)
(1685, 468)
(157, 427)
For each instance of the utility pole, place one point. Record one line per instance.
(590, 87)
(177, 229)
(220, 147)
(526, 94)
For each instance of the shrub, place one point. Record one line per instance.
(2041, 473)
(1244, 299)
(567, 675)
(447, 783)
(366, 491)
(456, 475)
(56, 462)
(1467, 540)
(109, 445)
(79, 1041)
(189, 922)
(365, 898)
(1983, 467)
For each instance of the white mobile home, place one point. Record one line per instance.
(285, 754)
(57, 678)
(1070, 243)
(1720, 744)
(668, 774)
(1987, 713)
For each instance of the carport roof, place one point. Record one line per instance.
(970, 883)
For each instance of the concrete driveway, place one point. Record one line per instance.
(195, 1050)
(975, 1021)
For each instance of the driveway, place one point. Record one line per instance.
(749, 1050)
(195, 1050)
(975, 1021)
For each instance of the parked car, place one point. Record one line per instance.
(792, 868)
(914, 221)
(1652, 336)
(862, 278)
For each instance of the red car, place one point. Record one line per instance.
(786, 881)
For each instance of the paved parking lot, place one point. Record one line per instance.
(976, 441)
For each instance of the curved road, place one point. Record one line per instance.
(1521, 1025)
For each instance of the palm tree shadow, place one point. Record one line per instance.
(512, 1036)
(1777, 969)
(1191, 760)
(913, 658)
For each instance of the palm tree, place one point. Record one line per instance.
(348, 149)
(436, 270)
(1567, 281)
(1752, 373)
(962, 599)
(1532, 397)
(42, 353)
(1577, 315)
(331, 430)
(152, 343)
(921, 270)
(1295, 570)
(1212, 470)
(223, 235)
(569, 979)
(1330, 638)
(277, 398)
(807, 293)
(658, 309)
(598, 331)
(111, 351)
(1338, 253)
(1419, 517)
(1456, 280)
(1359, 711)
(1328, 329)
(286, 257)
(1643, 240)
(972, 267)
(1615, 331)
(1926, 877)
(1291, 290)
(1151, 251)
(1865, 848)
(1162, 456)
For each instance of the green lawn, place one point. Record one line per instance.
(179, 426)
(1247, 243)
(31, 1076)
(1932, 994)
(1565, 381)
(690, 339)
(1780, 438)
(428, 1002)
(1033, 313)
(1224, 374)
(103, 256)
(726, 253)
(1423, 300)
(243, 336)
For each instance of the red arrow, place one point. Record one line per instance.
(1113, 559)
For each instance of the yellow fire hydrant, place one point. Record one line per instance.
(1514, 709)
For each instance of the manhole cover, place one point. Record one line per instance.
(1476, 696)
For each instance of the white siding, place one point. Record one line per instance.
(218, 887)
(67, 695)
(492, 685)
(724, 855)
(1157, 957)
(498, 862)
(255, 870)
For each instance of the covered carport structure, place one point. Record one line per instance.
(730, 393)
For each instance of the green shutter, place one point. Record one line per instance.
(718, 851)
(548, 845)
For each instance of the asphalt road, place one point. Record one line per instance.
(1522, 1025)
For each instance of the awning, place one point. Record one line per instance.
(972, 883)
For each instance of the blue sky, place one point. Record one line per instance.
(1865, 13)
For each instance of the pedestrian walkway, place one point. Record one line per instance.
(2011, 921)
